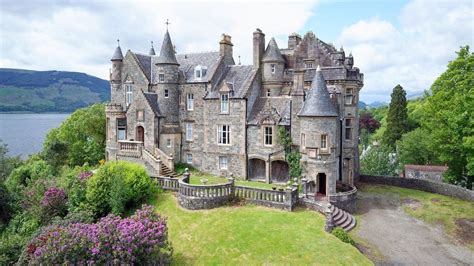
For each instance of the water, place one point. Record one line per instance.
(25, 133)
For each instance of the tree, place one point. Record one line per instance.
(7, 163)
(397, 118)
(368, 122)
(449, 116)
(416, 147)
(379, 160)
(79, 140)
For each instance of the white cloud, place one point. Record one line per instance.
(80, 36)
(414, 54)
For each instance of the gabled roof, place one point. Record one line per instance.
(144, 61)
(152, 99)
(167, 53)
(238, 78)
(272, 53)
(273, 107)
(187, 63)
(117, 54)
(318, 101)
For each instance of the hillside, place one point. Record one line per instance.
(49, 91)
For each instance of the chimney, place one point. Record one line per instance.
(226, 46)
(258, 47)
(293, 40)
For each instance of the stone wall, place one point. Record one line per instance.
(421, 184)
(285, 200)
(345, 198)
(199, 197)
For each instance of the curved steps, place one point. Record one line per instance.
(343, 219)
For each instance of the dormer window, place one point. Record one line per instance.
(273, 68)
(225, 103)
(200, 72)
(161, 77)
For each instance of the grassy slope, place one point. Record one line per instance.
(251, 235)
(197, 176)
(435, 208)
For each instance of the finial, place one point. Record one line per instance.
(318, 68)
(118, 42)
(167, 23)
(151, 44)
(239, 60)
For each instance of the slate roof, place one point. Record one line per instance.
(272, 53)
(152, 50)
(145, 64)
(152, 99)
(280, 105)
(238, 78)
(187, 63)
(117, 54)
(318, 102)
(167, 53)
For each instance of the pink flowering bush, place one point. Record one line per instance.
(141, 239)
(54, 202)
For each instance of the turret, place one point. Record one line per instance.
(349, 62)
(258, 47)
(117, 63)
(166, 79)
(273, 65)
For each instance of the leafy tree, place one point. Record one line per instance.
(7, 163)
(378, 160)
(416, 147)
(79, 140)
(368, 122)
(294, 163)
(449, 116)
(397, 118)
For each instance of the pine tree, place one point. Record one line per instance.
(397, 118)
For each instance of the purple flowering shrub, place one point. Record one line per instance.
(54, 202)
(141, 239)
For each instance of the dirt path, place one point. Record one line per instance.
(401, 239)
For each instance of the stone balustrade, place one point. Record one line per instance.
(167, 160)
(129, 148)
(168, 183)
(345, 197)
(285, 199)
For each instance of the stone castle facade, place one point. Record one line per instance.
(223, 118)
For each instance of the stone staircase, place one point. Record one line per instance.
(165, 171)
(343, 219)
(151, 163)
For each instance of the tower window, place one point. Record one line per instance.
(161, 77)
(324, 142)
(168, 143)
(268, 93)
(268, 136)
(190, 101)
(223, 134)
(348, 128)
(225, 103)
(189, 132)
(167, 93)
(223, 162)
(122, 128)
(189, 158)
(349, 97)
(129, 94)
(273, 68)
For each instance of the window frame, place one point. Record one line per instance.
(325, 138)
(268, 136)
(223, 135)
(189, 131)
(273, 68)
(269, 93)
(128, 94)
(349, 96)
(167, 93)
(168, 143)
(348, 124)
(121, 128)
(224, 103)
(189, 158)
(222, 165)
(161, 77)
(190, 102)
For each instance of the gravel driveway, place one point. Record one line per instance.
(400, 239)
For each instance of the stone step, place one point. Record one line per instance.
(342, 219)
(351, 225)
(346, 224)
(337, 214)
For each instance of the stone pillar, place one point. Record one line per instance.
(304, 181)
(329, 221)
(232, 188)
(186, 176)
(268, 171)
(288, 199)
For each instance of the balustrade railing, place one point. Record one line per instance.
(168, 183)
(167, 160)
(130, 148)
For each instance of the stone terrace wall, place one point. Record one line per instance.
(346, 199)
(421, 184)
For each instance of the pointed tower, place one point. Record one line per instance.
(319, 129)
(116, 94)
(166, 80)
(273, 65)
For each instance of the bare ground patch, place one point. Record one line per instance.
(414, 204)
(465, 230)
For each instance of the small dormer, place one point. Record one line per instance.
(200, 72)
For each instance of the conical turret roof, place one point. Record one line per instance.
(167, 55)
(318, 101)
(117, 54)
(272, 53)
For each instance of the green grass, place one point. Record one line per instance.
(434, 209)
(251, 235)
(211, 179)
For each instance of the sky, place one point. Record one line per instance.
(407, 42)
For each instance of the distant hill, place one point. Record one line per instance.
(375, 104)
(49, 91)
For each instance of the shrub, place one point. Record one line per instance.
(73, 181)
(343, 235)
(141, 239)
(54, 202)
(118, 185)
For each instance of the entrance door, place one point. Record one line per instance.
(322, 183)
(140, 133)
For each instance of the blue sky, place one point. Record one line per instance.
(393, 42)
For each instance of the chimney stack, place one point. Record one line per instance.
(258, 47)
(226, 46)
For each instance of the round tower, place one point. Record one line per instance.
(116, 93)
(273, 66)
(166, 80)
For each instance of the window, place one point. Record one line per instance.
(190, 101)
(324, 142)
(129, 94)
(168, 143)
(225, 103)
(349, 96)
(223, 134)
(167, 93)
(189, 132)
(303, 141)
(197, 73)
(223, 163)
(140, 115)
(200, 71)
(189, 158)
(122, 128)
(348, 128)
(309, 65)
(268, 93)
(273, 68)
(268, 136)
(161, 77)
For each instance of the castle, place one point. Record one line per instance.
(225, 118)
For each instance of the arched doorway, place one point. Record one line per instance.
(140, 134)
(257, 169)
(280, 171)
(322, 184)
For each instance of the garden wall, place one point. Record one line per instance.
(421, 184)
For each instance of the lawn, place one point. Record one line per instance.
(431, 208)
(252, 235)
(211, 179)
